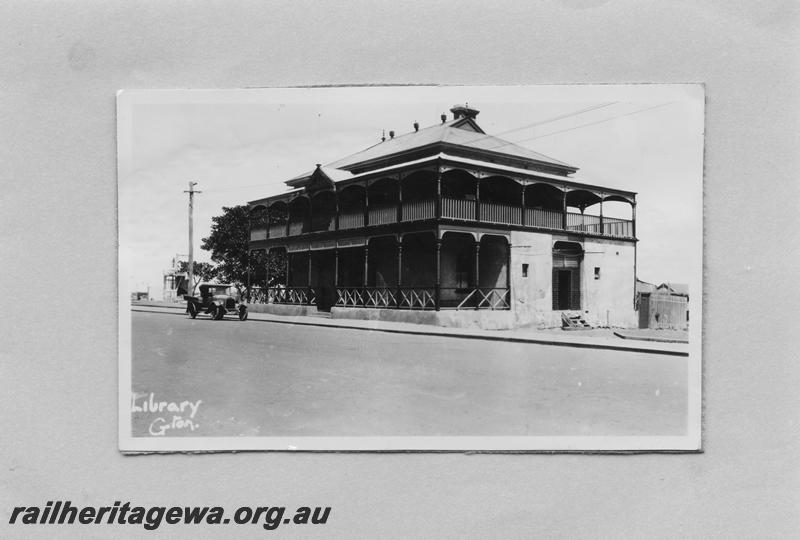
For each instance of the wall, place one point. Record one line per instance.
(532, 296)
(608, 300)
(603, 301)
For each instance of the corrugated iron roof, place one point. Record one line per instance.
(676, 288)
(443, 133)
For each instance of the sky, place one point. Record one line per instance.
(243, 144)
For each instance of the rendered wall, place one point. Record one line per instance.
(608, 301)
(605, 301)
(531, 296)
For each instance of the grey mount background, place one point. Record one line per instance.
(62, 65)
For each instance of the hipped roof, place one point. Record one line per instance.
(459, 132)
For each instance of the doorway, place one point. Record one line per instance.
(564, 289)
(323, 278)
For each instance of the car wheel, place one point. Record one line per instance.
(243, 313)
(192, 310)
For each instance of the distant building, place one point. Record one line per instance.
(175, 279)
(663, 306)
(448, 225)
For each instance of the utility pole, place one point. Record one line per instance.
(191, 192)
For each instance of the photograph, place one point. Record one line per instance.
(411, 268)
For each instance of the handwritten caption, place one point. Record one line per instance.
(173, 415)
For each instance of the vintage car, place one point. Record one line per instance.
(217, 301)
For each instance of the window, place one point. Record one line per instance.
(524, 269)
(596, 272)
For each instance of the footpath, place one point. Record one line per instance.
(600, 338)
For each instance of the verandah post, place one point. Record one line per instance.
(399, 198)
(508, 272)
(438, 282)
(366, 262)
(399, 269)
(249, 259)
(266, 272)
(564, 209)
(336, 202)
(336, 267)
(523, 205)
(477, 199)
(309, 268)
(477, 250)
(439, 194)
(366, 203)
(602, 196)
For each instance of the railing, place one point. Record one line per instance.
(305, 296)
(501, 213)
(458, 209)
(417, 210)
(277, 230)
(417, 298)
(620, 228)
(351, 220)
(548, 219)
(385, 213)
(490, 212)
(373, 297)
(258, 234)
(497, 298)
(386, 297)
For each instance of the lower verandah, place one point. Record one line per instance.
(410, 271)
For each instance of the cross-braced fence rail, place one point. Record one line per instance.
(304, 296)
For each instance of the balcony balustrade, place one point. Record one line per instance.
(351, 220)
(277, 230)
(547, 219)
(458, 209)
(419, 210)
(501, 213)
(382, 214)
(465, 210)
(258, 234)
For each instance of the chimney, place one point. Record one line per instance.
(463, 111)
(383, 136)
(444, 118)
(391, 134)
(416, 126)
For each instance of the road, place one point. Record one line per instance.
(259, 378)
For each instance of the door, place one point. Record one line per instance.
(564, 289)
(323, 276)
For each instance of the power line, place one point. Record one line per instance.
(552, 119)
(598, 122)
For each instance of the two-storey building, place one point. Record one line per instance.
(448, 225)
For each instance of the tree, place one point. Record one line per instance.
(202, 271)
(229, 244)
